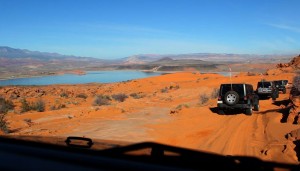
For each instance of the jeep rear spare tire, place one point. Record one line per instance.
(231, 98)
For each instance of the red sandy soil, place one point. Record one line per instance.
(173, 116)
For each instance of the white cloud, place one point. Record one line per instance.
(286, 27)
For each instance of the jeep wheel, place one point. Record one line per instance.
(256, 104)
(256, 107)
(231, 98)
(248, 111)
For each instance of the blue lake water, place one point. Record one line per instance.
(89, 77)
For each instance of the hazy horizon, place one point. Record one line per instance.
(159, 55)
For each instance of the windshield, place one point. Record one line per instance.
(279, 82)
(135, 71)
(264, 84)
(239, 88)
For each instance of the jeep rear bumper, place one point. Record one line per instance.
(236, 106)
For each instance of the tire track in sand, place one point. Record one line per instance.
(232, 136)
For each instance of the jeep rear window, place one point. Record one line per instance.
(263, 84)
(278, 82)
(239, 88)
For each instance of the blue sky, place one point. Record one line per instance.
(120, 28)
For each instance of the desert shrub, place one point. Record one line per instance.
(82, 95)
(3, 123)
(179, 107)
(5, 105)
(174, 87)
(215, 93)
(134, 95)
(164, 90)
(52, 107)
(25, 107)
(119, 97)
(101, 100)
(60, 106)
(203, 98)
(64, 94)
(137, 95)
(39, 106)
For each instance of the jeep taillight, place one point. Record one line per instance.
(219, 98)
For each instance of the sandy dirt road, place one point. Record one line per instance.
(261, 135)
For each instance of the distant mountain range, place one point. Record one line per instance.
(13, 53)
(29, 63)
(209, 57)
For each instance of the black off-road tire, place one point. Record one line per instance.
(273, 96)
(249, 111)
(256, 107)
(231, 98)
(256, 104)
